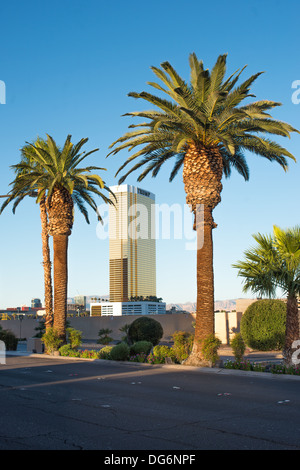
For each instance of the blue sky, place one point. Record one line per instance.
(68, 66)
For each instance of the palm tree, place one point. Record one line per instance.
(61, 182)
(201, 125)
(274, 263)
(17, 194)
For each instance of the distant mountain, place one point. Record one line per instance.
(227, 305)
(188, 307)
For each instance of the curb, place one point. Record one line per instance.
(177, 367)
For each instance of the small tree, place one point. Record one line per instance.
(238, 346)
(145, 329)
(183, 344)
(274, 263)
(263, 325)
(52, 341)
(125, 329)
(40, 329)
(103, 336)
(209, 348)
(74, 337)
(9, 338)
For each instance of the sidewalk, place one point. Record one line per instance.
(274, 357)
(225, 353)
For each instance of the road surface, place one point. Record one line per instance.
(60, 404)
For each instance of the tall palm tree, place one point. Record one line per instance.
(17, 194)
(274, 263)
(61, 182)
(203, 127)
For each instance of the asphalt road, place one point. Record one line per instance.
(55, 404)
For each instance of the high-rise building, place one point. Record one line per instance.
(80, 301)
(36, 303)
(132, 255)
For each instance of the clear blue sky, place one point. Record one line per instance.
(68, 66)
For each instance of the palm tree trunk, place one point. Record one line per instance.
(60, 276)
(46, 266)
(202, 176)
(292, 328)
(205, 283)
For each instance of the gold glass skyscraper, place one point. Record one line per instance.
(132, 253)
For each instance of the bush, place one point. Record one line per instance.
(74, 337)
(140, 357)
(40, 329)
(145, 329)
(67, 350)
(209, 348)
(238, 346)
(161, 352)
(120, 352)
(104, 353)
(141, 347)
(183, 344)
(125, 329)
(89, 354)
(263, 325)
(104, 337)
(9, 339)
(51, 340)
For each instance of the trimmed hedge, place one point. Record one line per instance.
(10, 340)
(141, 347)
(263, 325)
(120, 352)
(145, 329)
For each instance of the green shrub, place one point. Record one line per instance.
(104, 353)
(89, 354)
(67, 350)
(74, 337)
(10, 340)
(140, 357)
(40, 329)
(51, 340)
(183, 344)
(238, 346)
(104, 337)
(209, 348)
(125, 329)
(263, 325)
(161, 352)
(145, 329)
(120, 352)
(141, 347)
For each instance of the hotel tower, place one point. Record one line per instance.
(132, 263)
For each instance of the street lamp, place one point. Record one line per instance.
(20, 320)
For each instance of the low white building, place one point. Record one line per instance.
(127, 308)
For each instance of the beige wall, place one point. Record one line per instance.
(90, 326)
(243, 304)
(226, 324)
(169, 322)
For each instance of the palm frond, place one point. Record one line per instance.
(205, 113)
